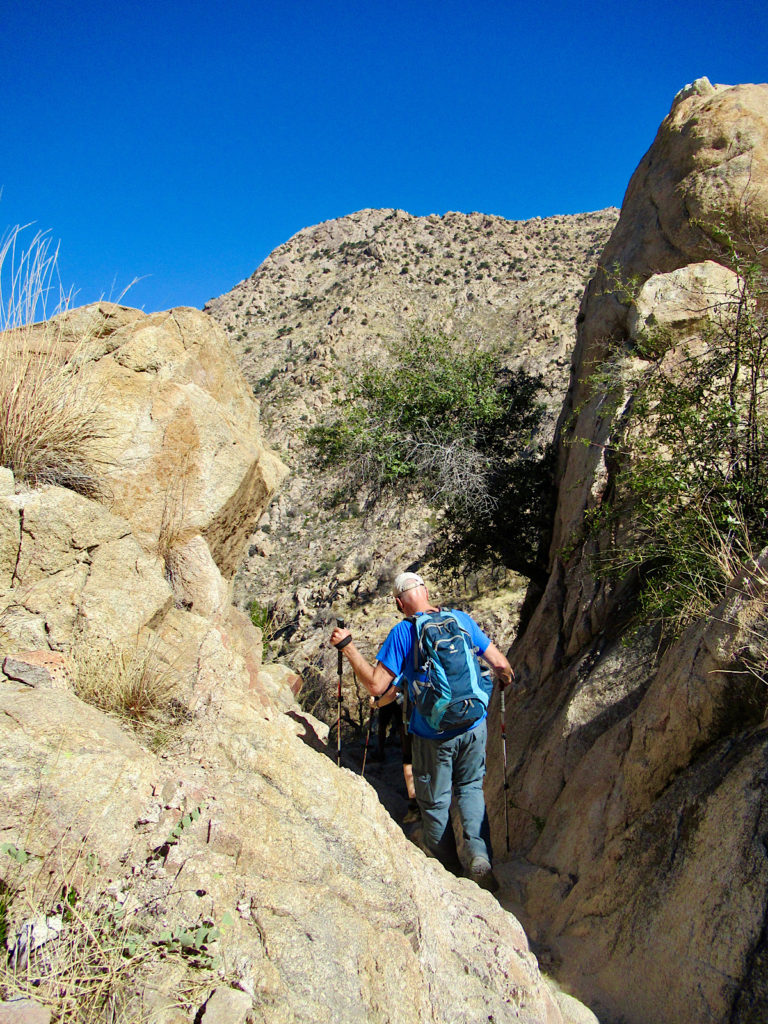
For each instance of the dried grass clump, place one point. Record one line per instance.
(51, 429)
(130, 681)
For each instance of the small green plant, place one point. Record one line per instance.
(264, 617)
(689, 503)
(15, 853)
(192, 943)
(184, 823)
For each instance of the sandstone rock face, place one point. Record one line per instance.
(71, 777)
(24, 1011)
(196, 579)
(47, 669)
(75, 563)
(182, 449)
(637, 786)
(227, 1006)
(683, 301)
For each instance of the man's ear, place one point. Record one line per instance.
(399, 603)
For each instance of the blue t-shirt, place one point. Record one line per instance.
(396, 654)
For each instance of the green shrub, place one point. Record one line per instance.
(689, 505)
(443, 419)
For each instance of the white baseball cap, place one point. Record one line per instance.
(406, 581)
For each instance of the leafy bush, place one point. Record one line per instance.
(689, 506)
(442, 419)
(266, 619)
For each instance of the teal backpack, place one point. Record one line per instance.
(450, 688)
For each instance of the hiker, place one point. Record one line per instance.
(442, 758)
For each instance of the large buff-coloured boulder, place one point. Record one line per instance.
(207, 658)
(69, 565)
(637, 796)
(196, 579)
(183, 453)
(683, 302)
(705, 174)
(73, 781)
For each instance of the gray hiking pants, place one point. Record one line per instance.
(438, 767)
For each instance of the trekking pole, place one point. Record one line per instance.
(504, 758)
(340, 624)
(367, 741)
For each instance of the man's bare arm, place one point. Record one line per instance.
(499, 664)
(376, 679)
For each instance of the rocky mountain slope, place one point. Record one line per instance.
(331, 300)
(638, 796)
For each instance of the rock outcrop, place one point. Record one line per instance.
(70, 561)
(638, 799)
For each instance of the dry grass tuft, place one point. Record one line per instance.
(130, 681)
(89, 952)
(50, 425)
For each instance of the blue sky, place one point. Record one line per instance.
(182, 142)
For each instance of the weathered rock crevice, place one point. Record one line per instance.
(15, 574)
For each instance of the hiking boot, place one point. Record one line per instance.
(481, 873)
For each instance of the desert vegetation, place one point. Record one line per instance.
(86, 947)
(50, 426)
(688, 511)
(443, 420)
(130, 681)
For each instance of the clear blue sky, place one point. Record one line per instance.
(182, 142)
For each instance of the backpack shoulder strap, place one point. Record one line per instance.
(412, 621)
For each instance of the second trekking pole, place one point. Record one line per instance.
(503, 713)
(340, 624)
(367, 741)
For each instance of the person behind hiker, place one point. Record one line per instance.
(390, 711)
(388, 716)
(442, 761)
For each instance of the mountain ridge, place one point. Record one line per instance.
(334, 298)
